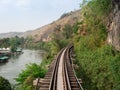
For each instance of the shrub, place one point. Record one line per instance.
(26, 77)
(4, 84)
(31, 70)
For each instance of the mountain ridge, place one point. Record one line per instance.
(44, 31)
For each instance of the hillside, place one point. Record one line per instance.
(44, 31)
(10, 34)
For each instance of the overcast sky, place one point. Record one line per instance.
(23, 15)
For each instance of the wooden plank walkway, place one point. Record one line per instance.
(60, 85)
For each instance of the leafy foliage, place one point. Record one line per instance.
(98, 62)
(13, 43)
(95, 65)
(26, 77)
(95, 14)
(4, 84)
(4, 43)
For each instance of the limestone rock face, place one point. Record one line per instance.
(114, 26)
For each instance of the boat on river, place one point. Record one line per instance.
(19, 51)
(4, 59)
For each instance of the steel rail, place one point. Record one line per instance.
(67, 69)
(52, 82)
(68, 87)
(80, 86)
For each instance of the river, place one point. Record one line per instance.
(15, 65)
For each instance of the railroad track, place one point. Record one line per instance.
(61, 74)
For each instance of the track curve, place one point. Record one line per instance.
(61, 74)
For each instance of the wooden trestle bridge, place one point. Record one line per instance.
(61, 74)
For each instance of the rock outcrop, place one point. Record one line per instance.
(114, 25)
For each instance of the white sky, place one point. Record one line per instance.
(23, 15)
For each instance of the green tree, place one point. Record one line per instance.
(5, 42)
(4, 84)
(26, 77)
(67, 31)
(13, 44)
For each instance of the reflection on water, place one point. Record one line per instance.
(13, 67)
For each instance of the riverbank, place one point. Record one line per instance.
(6, 54)
(13, 67)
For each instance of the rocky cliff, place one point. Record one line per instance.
(114, 25)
